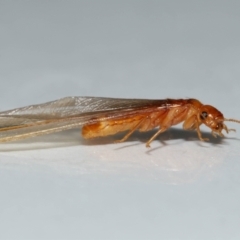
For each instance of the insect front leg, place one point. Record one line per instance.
(200, 134)
(192, 123)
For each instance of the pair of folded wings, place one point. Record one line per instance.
(68, 113)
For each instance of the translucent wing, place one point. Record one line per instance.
(67, 113)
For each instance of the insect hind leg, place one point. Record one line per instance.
(155, 135)
(131, 131)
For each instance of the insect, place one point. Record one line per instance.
(101, 117)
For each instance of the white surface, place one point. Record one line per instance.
(62, 187)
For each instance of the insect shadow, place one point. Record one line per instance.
(73, 137)
(173, 134)
(143, 137)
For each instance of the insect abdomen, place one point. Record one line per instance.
(106, 128)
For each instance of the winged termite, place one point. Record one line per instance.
(100, 117)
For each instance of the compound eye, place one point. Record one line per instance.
(203, 115)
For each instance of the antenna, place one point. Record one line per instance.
(231, 120)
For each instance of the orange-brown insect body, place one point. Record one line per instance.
(162, 116)
(169, 113)
(106, 116)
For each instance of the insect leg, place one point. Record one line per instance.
(200, 135)
(214, 134)
(130, 132)
(155, 135)
(171, 117)
(193, 123)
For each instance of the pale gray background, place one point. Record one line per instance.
(62, 187)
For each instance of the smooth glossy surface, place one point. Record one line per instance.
(61, 187)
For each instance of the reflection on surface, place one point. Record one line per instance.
(171, 161)
(177, 156)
